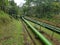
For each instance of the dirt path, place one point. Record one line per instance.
(27, 39)
(29, 34)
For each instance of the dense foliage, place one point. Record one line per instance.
(10, 7)
(41, 8)
(36, 8)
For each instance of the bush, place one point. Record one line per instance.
(4, 18)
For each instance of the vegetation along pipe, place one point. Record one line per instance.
(41, 37)
(50, 27)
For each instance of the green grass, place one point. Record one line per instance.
(10, 30)
(4, 18)
(57, 36)
(4, 15)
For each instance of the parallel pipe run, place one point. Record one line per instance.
(52, 28)
(41, 37)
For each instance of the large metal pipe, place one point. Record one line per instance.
(50, 27)
(41, 37)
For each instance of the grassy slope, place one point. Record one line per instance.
(10, 30)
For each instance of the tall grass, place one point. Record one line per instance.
(10, 31)
(4, 18)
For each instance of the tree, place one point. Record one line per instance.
(13, 9)
(4, 4)
(42, 8)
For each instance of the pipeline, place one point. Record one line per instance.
(50, 27)
(40, 36)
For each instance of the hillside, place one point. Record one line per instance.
(10, 30)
